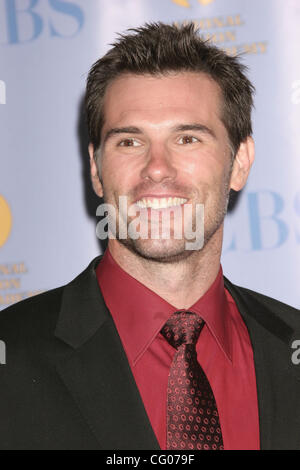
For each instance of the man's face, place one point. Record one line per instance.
(163, 137)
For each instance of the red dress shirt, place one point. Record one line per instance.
(223, 349)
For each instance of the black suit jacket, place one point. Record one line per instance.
(67, 383)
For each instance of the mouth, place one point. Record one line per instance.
(158, 203)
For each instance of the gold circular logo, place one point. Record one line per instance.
(5, 220)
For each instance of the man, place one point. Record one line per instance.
(151, 347)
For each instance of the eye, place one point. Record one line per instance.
(188, 139)
(129, 143)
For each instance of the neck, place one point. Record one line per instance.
(180, 283)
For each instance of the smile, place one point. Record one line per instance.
(160, 203)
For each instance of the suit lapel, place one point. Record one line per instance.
(96, 370)
(277, 379)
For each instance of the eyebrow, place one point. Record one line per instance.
(121, 130)
(180, 128)
(195, 127)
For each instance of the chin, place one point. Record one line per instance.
(163, 251)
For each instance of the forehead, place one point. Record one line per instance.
(185, 95)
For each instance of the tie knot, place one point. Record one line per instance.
(182, 328)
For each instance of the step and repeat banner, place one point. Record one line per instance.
(47, 207)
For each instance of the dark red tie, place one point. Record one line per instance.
(192, 415)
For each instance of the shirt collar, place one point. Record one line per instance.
(139, 313)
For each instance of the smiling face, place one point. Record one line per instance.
(163, 138)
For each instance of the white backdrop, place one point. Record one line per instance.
(47, 209)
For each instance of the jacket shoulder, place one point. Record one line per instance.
(31, 314)
(285, 312)
(36, 317)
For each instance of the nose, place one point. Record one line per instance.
(158, 165)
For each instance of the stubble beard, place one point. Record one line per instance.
(173, 250)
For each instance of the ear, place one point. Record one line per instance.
(242, 164)
(94, 172)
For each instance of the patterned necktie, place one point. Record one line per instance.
(192, 415)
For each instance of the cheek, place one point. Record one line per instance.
(211, 181)
(118, 175)
(204, 168)
(111, 171)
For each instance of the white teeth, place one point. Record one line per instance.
(161, 202)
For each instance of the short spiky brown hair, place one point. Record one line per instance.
(158, 48)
